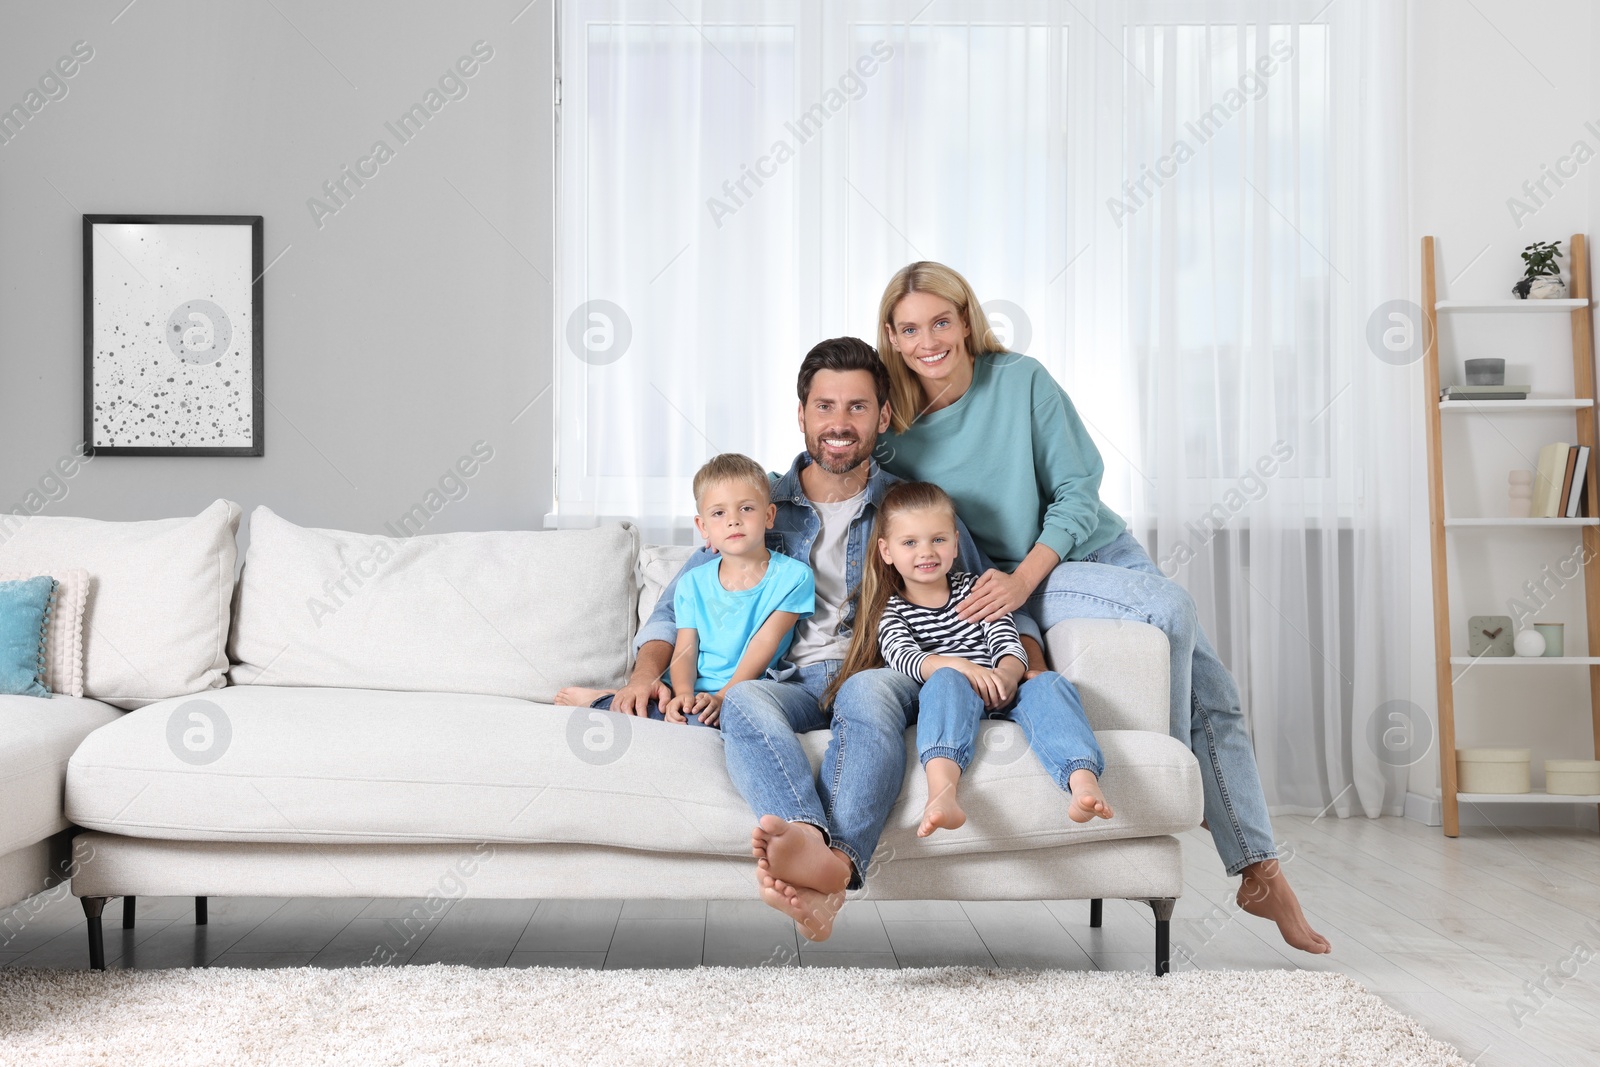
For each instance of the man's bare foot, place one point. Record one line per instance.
(944, 811)
(796, 853)
(812, 911)
(1265, 893)
(576, 696)
(1087, 800)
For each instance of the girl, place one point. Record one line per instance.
(906, 618)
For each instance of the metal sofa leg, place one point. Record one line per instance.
(1094, 913)
(92, 907)
(1163, 906)
(200, 916)
(128, 912)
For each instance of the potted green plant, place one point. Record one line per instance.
(1541, 278)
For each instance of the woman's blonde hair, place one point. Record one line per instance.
(879, 579)
(925, 276)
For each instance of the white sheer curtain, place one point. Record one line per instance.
(1263, 144)
(739, 180)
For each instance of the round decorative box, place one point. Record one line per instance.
(1572, 777)
(1494, 770)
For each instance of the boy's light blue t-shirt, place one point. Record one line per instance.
(725, 620)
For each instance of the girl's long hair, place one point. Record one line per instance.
(879, 580)
(925, 276)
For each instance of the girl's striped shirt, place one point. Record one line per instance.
(908, 633)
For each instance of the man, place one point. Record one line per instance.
(816, 833)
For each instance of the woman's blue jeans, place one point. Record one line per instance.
(1047, 707)
(1121, 582)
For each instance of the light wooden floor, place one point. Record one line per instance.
(1453, 933)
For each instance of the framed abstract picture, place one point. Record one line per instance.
(172, 324)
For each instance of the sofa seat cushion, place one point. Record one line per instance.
(267, 763)
(37, 737)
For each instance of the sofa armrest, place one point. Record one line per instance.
(1121, 669)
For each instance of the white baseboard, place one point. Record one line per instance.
(1429, 811)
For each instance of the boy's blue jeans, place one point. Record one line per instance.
(1047, 707)
(850, 798)
(1121, 582)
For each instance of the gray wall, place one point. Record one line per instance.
(411, 324)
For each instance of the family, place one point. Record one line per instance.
(944, 513)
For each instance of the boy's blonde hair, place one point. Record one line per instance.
(731, 467)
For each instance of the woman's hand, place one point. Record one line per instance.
(994, 596)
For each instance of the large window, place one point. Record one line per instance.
(739, 181)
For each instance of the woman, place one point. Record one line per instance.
(1002, 438)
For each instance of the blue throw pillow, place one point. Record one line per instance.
(24, 623)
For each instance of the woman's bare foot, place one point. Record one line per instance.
(812, 911)
(1265, 893)
(1087, 800)
(944, 811)
(576, 696)
(796, 853)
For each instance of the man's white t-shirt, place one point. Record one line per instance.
(814, 636)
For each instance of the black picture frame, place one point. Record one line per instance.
(257, 440)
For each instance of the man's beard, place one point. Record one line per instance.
(855, 459)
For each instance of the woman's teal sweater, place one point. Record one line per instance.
(1016, 459)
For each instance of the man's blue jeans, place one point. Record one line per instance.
(1121, 582)
(849, 800)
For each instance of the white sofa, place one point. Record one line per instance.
(387, 732)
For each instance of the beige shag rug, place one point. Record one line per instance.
(710, 1016)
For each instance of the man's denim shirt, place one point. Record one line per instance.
(793, 532)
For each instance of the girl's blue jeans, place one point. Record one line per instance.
(1047, 707)
(1121, 582)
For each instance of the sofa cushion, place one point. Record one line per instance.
(25, 607)
(658, 565)
(1120, 667)
(156, 619)
(36, 739)
(64, 646)
(505, 613)
(371, 766)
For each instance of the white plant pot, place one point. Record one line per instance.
(1547, 289)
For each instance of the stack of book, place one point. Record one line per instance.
(1558, 483)
(1484, 392)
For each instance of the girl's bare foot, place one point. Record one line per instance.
(944, 811)
(576, 696)
(1087, 800)
(1265, 893)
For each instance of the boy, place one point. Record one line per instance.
(735, 619)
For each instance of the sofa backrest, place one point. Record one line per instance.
(1120, 668)
(658, 565)
(507, 612)
(156, 618)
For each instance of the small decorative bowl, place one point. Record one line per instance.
(1486, 372)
